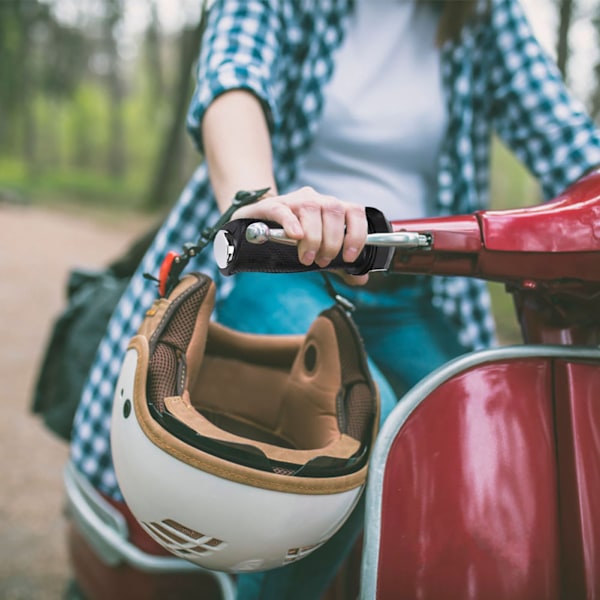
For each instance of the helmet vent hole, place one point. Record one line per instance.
(310, 358)
(126, 408)
(294, 554)
(182, 540)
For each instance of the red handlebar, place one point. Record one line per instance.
(555, 242)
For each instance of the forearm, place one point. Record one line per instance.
(237, 146)
(238, 152)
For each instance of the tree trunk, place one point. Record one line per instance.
(30, 154)
(594, 100)
(566, 8)
(26, 91)
(116, 146)
(160, 187)
(116, 151)
(154, 61)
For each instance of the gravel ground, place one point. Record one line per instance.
(37, 249)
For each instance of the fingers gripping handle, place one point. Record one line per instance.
(235, 254)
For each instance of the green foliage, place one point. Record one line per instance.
(504, 314)
(60, 88)
(144, 131)
(85, 136)
(512, 186)
(18, 21)
(68, 186)
(72, 148)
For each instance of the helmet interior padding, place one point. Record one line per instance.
(293, 398)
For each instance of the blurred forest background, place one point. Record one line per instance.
(93, 96)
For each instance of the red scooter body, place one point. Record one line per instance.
(552, 242)
(486, 477)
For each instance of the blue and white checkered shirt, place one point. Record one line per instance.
(497, 79)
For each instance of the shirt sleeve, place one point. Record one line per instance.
(239, 51)
(533, 112)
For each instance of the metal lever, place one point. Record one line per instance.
(259, 233)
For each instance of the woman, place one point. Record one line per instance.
(336, 105)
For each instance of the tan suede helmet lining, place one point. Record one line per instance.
(281, 394)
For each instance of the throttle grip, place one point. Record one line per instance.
(234, 254)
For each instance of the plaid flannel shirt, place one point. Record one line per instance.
(497, 79)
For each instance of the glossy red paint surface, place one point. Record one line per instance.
(469, 506)
(577, 390)
(491, 487)
(460, 233)
(570, 223)
(456, 246)
(548, 243)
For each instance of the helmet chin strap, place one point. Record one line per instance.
(339, 299)
(174, 263)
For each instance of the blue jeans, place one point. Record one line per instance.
(405, 338)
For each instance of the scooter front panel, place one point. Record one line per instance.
(477, 475)
(473, 490)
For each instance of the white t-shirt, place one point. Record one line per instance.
(384, 116)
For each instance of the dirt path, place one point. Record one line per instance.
(37, 249)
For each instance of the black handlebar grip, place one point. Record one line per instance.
(235, 254)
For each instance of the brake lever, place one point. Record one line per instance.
(260, 233)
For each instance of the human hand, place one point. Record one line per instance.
(323, 225)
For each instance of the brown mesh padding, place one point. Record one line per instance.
(358, 408)
(283, 471)
(359, 411)
(166, 367)
(162, 375)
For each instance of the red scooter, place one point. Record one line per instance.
(484, 479)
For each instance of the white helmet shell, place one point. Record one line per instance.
(248, 452)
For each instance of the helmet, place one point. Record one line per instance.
(236, 451)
